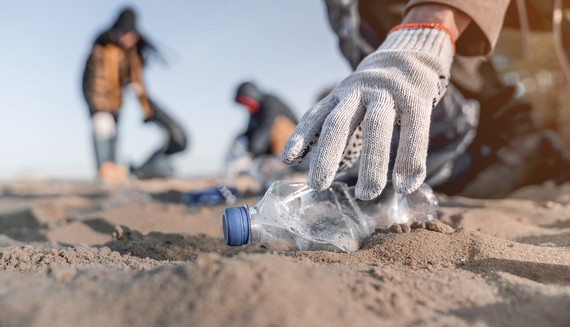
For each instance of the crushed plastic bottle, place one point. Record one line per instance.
(292, 216)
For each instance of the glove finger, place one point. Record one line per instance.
(377, 129)
(334, 135)
(307, 132)
(410, 168)
(351, 152)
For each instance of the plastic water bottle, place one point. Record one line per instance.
(292, 216)
(215, 195)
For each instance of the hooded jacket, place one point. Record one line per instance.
(269, 128)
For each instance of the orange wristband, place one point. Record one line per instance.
(425, 25)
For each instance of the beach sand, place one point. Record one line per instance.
(81, 254)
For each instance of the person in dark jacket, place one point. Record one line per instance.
(116, 60)
(271, 122)
(255, 153)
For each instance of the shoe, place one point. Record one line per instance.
(528, 160)
(111, 173)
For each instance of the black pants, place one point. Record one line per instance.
(158, 165)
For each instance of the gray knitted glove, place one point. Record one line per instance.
(400, 82)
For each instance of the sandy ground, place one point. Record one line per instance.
(80, 254)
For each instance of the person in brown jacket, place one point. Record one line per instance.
(116, 60)
(413, 81)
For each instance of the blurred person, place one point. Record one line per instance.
(256, 151)
(423, 104)
(116, 60)
(271, 121)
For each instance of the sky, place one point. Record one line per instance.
(286, 47)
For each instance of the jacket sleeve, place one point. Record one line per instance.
(136, 78)
(259, 139)
(276, 126)
(101, 79)
(95, 86)
(481, 35)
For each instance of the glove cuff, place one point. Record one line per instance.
(431, 38)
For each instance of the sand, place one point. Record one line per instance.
(81, 254)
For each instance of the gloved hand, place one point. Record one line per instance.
(400, 82)
(140, 92)
(149, 110)
(148, 118)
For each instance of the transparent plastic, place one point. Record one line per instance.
(395, 208)
(292, 216)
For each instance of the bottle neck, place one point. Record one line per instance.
(254, 225)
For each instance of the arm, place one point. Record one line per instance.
(95, 86)
(260, 135)
(400, 82)
(455, 20)
(486, 16)
(138, 84)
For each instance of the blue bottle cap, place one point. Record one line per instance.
(235, 221)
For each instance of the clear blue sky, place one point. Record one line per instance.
(286, 47)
